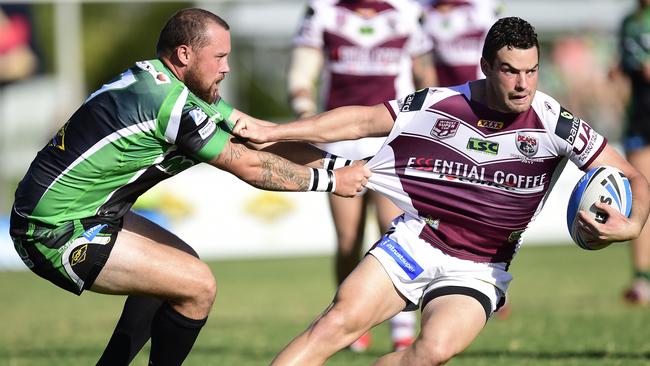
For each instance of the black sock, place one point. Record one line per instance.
(131, 332)
(172, 336)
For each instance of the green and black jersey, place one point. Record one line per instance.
(132, 133)
(634, 43)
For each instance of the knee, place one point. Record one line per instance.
(433, 354)
(336, 324)
(204, 289)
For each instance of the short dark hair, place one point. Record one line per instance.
(511, 32)
(187, 27)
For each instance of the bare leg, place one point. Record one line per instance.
(366, 298)
(402, 325)
(449, 324)
(639, 292)
(133, 329)
(349, 215)
(145, 262)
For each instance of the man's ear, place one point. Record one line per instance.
(485, 66)
(183, 53)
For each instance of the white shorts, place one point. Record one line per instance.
(418, 269)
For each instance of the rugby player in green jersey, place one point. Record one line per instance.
(71, 221)
(635, 64)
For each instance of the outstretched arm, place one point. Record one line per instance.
(344, 123)
(300, 153)
(271, 172)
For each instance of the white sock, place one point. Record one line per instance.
(402, 325)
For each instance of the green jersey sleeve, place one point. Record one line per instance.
(200, 134)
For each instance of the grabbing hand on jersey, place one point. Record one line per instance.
(352, 179)
(616, 228)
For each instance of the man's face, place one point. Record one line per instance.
(208, 66)
(511, 80)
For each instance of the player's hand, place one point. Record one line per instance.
(253, 129)
(616, 228)
(351, 180)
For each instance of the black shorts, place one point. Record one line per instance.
(70, 255)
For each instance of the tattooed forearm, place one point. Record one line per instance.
(262, 169)
(279, 174)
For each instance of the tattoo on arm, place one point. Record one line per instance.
(280, 174)
(274, 172)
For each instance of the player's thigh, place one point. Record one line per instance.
(450, 323)
(145, 227)
(386, 210)
(348, 214)
(140, 265)
(368, 295)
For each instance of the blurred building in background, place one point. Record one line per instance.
(67, 49)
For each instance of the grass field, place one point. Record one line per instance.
(566, 311)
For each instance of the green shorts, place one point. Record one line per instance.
(70, 255)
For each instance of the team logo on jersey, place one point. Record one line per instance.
(493, 125)
(366, 30)
(526, 144)
(433, 223)
(198, 116)
(515, 236)
(548, 107)
(175, 164)
(484, 146)
(444, 128)
(58, 140)
(161, 78)
(78, 255)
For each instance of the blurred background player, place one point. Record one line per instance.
(457, 29)
(367, 52)
(635, 63)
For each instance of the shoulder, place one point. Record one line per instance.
(555, 117)
(423, 98)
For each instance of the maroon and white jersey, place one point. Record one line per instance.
(458, 36)
(471, 179)
(368, 48)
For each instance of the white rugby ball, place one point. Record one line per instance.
(600, 184)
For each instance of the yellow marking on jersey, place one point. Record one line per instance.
(58, 140)
(78, 255)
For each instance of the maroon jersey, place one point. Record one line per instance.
(471, 179)
(368, 48)
(458, 34)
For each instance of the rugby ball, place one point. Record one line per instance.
(600, 184)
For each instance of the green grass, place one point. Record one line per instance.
(566, 311)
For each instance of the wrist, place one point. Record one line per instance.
(331, 162)
(322, 180)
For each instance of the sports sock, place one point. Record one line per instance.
(172, 336)
(403, 326)
(131, 332)
(642, 275)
